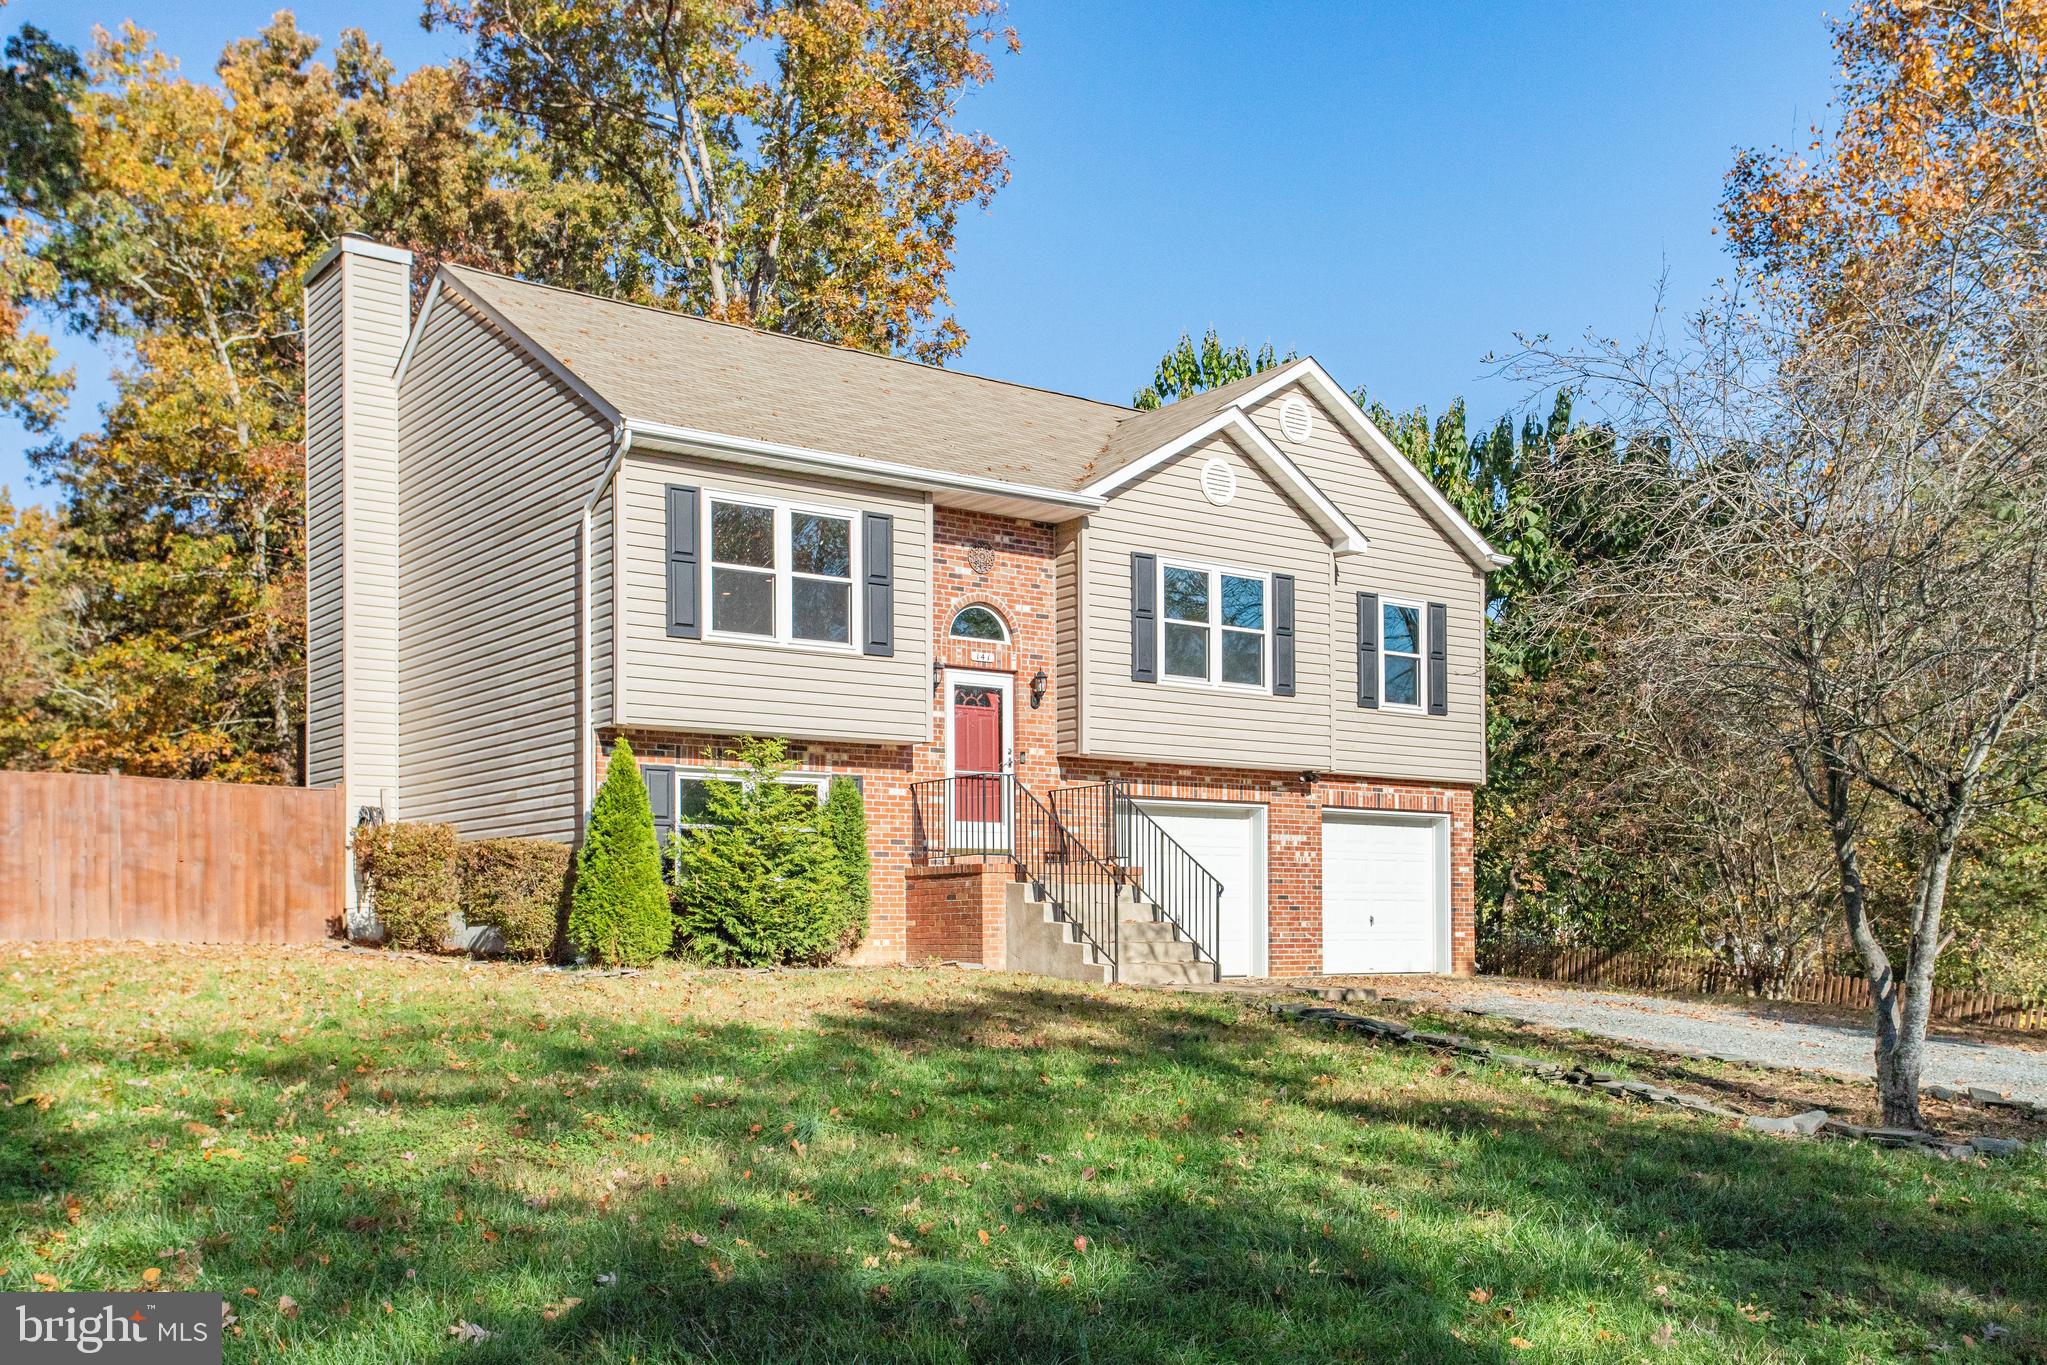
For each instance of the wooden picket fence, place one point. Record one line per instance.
(1702, 976)
(91, 856)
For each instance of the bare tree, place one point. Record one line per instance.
(1841, 573)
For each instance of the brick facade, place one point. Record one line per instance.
(957, 914)
(1007, 565)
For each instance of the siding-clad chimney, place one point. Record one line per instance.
(357, 312)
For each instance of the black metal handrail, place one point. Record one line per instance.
(1155, 864)
(993, 817)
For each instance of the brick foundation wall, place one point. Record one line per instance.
(958, 914)
(1008, 565)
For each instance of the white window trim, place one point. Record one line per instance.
(952, 626)
(1420, 656)
(820, 781)
(1216, 627)
(783, 574)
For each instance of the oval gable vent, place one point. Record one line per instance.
(1296, 419)
(1218, 482)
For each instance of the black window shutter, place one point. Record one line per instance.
(1439, 675)
(1368, 649)
(685, 596)
(1144, 618)
(878, 605)
(661, 798)
(660, 782)
(1282, 635)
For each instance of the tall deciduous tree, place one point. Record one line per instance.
(171, 218)
(790, 164)
(1845, 577)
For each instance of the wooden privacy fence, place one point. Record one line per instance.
(1701, 976)
(91, 856)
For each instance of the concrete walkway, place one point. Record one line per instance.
(1728, 1031)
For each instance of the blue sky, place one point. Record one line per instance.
(1395, 188)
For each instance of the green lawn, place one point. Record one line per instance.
(843, 1165)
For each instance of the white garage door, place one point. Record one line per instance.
(1382, 910)
(1224, 840)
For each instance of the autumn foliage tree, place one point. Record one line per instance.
(783, 163)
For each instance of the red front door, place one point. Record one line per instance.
(977, 749)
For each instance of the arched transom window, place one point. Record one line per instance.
(979, 623)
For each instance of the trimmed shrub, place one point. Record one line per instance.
(844, 822)
(618, 911)
(409, 873)
(761, 883)
(518, 887)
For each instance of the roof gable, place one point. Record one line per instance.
(1235, 423)
(1333, 402)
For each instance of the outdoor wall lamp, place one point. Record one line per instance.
(937, 673)
(1038, 686)
(1310, 777)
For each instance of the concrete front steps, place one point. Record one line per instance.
(1153, 951)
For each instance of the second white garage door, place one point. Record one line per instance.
(1383, 908)
(1225, 840)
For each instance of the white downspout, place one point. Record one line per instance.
(586, 730)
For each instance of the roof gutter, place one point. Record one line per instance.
(746, 450)
(586, 732)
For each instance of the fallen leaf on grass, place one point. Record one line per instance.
(465, 1330)
(1080, 1244)
(1520, 1343)
(151, 1275)
(1480, 1296)
(287, 1305)
(554, 1310)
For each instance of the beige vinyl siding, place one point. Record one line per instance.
(1165, 513)
(376, 301)
(499, 458)
(324, 530)
(355, 329)
(603, 612)
(1068, 538)
(1409, 557)
(730, 687)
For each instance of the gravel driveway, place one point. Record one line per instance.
(1722, 1030)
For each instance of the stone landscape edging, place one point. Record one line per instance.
(1812, 1123)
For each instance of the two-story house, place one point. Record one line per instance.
(1228, 653)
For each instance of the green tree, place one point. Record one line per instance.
(845, 823)
(38, 168)
(762, 882)
(618, 909)
(1187, 369)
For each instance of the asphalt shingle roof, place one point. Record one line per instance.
(679, 370)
